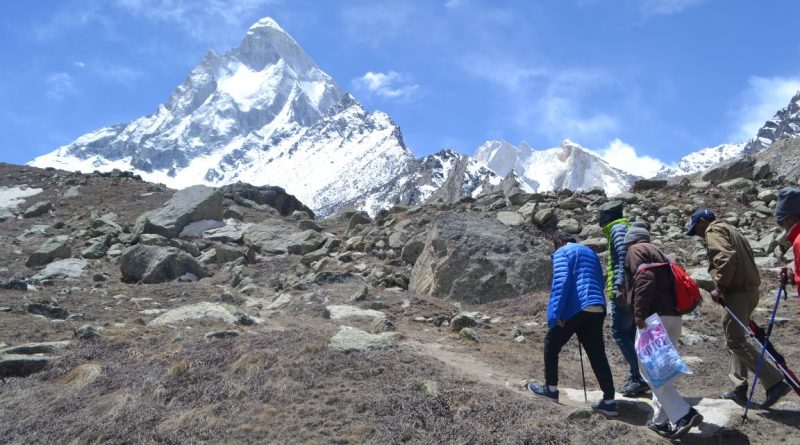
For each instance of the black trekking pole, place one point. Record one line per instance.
(763, 350)
(583, 375)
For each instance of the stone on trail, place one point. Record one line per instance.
(195, 203)
(153, 264)
(340, 311)
(63, 269)
(349, 339)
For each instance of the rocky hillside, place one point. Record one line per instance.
(132, 313)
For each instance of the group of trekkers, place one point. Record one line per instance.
(577, 305)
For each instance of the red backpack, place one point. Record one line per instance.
(687, 293)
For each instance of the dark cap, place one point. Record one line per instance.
(609, 211)
(706, 214)
(788, 203)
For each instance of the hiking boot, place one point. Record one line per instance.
(687, 422)
(543, 391)
(606, 408)
(662, 429)
(775, 393)
(634, 388)
(738, 395)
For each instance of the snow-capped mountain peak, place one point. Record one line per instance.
(568, 166)
(266, 114)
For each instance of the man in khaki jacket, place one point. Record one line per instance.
(735, 275)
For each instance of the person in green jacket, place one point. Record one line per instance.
(623, 329)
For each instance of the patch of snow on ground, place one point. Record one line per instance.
(12, 197)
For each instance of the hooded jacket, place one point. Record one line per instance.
(651, 291)
(577, 282)
(730, 259)
(615, 235)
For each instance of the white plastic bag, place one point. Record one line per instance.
(657, 354)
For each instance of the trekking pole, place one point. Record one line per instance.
(583, 375)
(763, 351)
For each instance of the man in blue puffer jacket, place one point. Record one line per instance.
(577, 306)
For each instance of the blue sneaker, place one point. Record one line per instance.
(606, 408)
(543, 391)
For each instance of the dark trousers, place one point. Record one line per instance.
(589, 327)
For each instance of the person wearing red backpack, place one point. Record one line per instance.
(787, 215)
(650, 289)
(733, 269)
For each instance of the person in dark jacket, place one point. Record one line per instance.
(652, 291)
(577, 306)
(623, 330)
(733, 269)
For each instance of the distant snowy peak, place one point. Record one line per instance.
(784, 125)
(702, 160)
(568, 166)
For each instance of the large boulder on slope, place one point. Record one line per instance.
(476, 259)
(154, 264)
(195, 203)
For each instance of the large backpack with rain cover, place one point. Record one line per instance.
(687, 293)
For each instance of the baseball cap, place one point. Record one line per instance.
(706, 214)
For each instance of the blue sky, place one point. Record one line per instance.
(631, 79)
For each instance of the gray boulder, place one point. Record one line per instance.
(63, 269)
(38, 209)
(476, 259)
(731, 169)
(545, 218)
(304, 242)
(413, 248)
(569, 225)
(153, 264)
(199, 311)
(275, 197)
(358, 218)
(398, 239)
(510, 218)
(270, 236)
(195, 203)
(349, 339)
(26, 359)
(52, 249)
(95, 250)
(702, 277)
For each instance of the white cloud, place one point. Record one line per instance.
(377, 21)
(391, 85)
(763, 97)
(549, 101)
(118, 74)
(625, 158)
(201, 19)
(59, 85)
(665, 7)
(452, 3)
